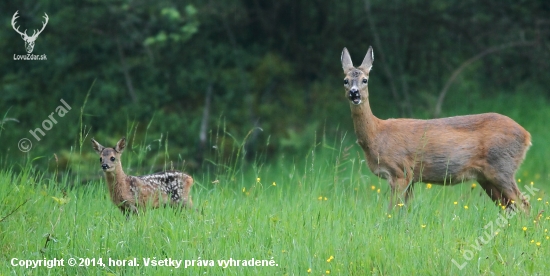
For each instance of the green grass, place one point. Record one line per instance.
(320, 212)
(323, 213)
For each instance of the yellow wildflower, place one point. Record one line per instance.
(428, 186)
(524, 228)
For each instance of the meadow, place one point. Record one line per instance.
(323, 213)
(317, 212)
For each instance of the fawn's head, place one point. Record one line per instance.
(109, 157)
(356, 79)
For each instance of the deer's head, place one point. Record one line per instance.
(29, 40)
(109, 157)
(356, 79)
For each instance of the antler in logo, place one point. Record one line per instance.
(29, 40)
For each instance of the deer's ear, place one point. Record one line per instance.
(347, 65)
(366, 65)
(97, 147)
(121, 145)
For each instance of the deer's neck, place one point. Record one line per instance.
(116, 181)
(365, 123)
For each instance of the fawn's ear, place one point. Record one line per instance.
(367, 62)
(121, 145)
(347, 65)
(97, 147)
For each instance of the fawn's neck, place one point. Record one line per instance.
(365, 123)
(116, 181)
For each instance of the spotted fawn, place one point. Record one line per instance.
(154, 190)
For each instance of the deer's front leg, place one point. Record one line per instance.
(394, 192)
(400, 191)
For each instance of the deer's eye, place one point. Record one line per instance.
(346, 81)
(100, 160)
(365, 80)
(113, 158)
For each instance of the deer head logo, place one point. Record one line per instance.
(29, 40)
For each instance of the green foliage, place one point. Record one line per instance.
(269, 65)
(188, 26)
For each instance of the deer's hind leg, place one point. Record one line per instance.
(183, 193)
(186, 197)
(512, 195)
(506, 193)
(494, 193)
(499, 180)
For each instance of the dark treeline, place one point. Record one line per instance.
(188, 69)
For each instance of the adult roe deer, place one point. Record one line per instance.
(485, 147)
(130, 192)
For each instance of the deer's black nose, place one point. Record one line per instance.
(104, 166)
(354, 96)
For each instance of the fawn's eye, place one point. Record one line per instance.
(100, 160)
(365, 80)
(113, 158)
(346, 81)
